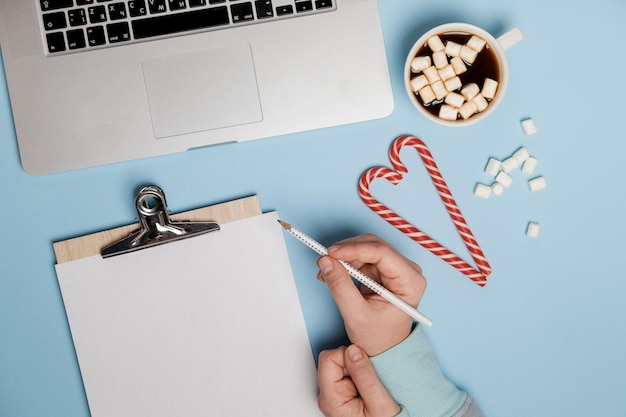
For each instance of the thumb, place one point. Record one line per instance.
(377, 400)
(347, 296)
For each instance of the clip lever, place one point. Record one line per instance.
(156, 226)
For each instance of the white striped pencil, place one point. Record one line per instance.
(360, 276)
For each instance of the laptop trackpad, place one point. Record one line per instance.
(202, 90)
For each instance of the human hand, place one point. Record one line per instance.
(349, 386)
(371, 321)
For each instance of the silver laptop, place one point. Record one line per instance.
(93, 82)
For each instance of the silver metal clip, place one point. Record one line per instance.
(156, 226)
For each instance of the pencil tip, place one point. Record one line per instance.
(285, 225)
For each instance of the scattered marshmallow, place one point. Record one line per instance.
(427, 94)
(504, 179)
(419, 82)
(497, 188)
(455, 100)
(458, 65)
(452, 49)
(529, 126)
(435, 44)
(532, 230)
(447, 112)
(470, 91)
(420, 63)
(536, 184)
(489, 88)
(493, 167)
(468, 54)
(476, 43)
(482, 190)
(521, 155)
(529, 165)
(509, 164)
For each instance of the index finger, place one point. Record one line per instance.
(331, 367)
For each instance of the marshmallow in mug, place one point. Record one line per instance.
(436, 75)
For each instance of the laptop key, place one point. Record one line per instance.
(117, 11)
(76, 39)
(197, 3)
(47, 5)
(177, 4)
(54, 21)
(180, 22)
(264, 9)
(304, 6)
(84, 2)
(137, 8)
(284, 10)
(56, 42)
(95, 36)
(157, 6)
(241, 12)
(323, 4)
(118, 32)
(97, 14)
(77, 17)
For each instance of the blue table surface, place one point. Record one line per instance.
(545, 337)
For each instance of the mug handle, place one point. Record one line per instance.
(510, 38)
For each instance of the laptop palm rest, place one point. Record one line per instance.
(202, 90)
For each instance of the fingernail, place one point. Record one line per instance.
(354, 352)
(325, 264)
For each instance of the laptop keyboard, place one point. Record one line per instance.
(78, 25)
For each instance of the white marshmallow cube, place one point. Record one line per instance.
(468, 54)
(497, 188)
(482, 190)
(439, 89)
(447, 72)
(427, 94)
(440, 59)
(458, 65)
(419, 82)
(431, 74)
(489, 88)
(529, 126)
(452, 49)
(470, 91)
(453, 84)
(467, 110)
(509, 164)
(476, 43)
(447, 112)
(532, 230)
(455, 100)
(537, 184)
(529, 165)
(435, 44)
(521, 155)
(504, 179)
(480, 102)
(420, 63)
(493, 167)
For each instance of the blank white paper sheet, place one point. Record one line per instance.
(206, 326)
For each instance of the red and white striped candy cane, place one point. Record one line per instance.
(395, 176)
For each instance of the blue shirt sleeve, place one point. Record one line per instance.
(411, 373)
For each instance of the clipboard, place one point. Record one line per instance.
(186, 326)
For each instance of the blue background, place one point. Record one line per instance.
(545, 337)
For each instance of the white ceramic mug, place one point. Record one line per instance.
(498, 46)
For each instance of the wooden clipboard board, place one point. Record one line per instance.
(92, 244)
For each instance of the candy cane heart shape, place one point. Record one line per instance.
(479, 276)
